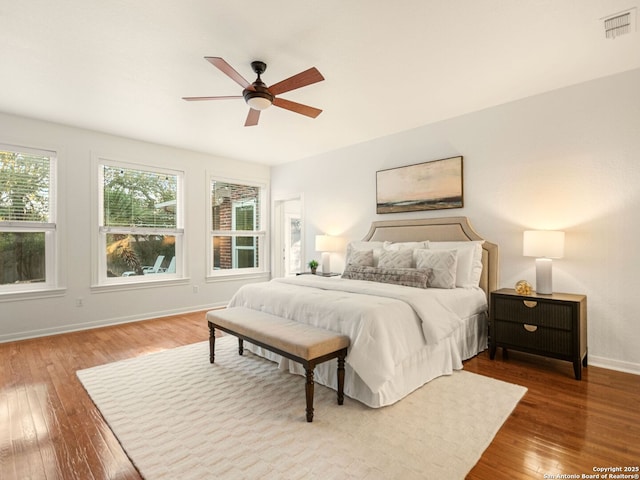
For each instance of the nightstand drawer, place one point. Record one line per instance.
(534, 338)
(544, 314)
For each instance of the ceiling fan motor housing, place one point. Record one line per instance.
(259, 97)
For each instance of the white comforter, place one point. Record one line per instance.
(386, 323)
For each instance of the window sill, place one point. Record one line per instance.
(226, 277)
(126, 286)
(21, 295)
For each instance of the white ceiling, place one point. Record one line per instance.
(122, 66)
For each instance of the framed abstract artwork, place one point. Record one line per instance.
(431, 185)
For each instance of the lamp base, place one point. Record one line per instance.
(543, 276)
(326, 262)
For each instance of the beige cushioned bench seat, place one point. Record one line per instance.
(299, 339)
(300, 342)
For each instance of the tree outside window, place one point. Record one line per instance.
(27, 220)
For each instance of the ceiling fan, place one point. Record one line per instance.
(258, 96)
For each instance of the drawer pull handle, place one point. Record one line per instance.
(530, 328)
(530, 303)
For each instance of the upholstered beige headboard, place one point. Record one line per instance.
(440, 230)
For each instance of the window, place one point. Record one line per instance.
(237, 236)
(27, 219)
(141, 229)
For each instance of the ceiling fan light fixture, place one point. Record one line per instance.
(259, 97)
(259, 103)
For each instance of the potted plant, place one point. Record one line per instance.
(313, 265)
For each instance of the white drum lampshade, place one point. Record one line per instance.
(544, 245)
(326, 244)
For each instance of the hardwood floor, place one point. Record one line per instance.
(50, 429)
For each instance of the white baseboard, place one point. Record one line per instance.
(44, 332)
(617, 365)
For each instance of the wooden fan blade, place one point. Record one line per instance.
(297, 107)
(302, 79)
(197, 99)
(252, 118)
(229, 71)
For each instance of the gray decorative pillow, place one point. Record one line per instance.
(409, 277)
(469, 269)
(363, 258)
(442, 263)
(396, 258)
(366, 246)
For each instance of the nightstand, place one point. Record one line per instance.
(552, 325)
(320, 274)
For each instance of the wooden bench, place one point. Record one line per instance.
(300, 342)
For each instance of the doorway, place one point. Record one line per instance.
(288, 237)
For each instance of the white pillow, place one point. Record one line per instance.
(404, 245)
(442, 264)
(469, 268)
(396, 258)
(360, 245)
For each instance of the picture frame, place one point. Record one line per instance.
(432, 185)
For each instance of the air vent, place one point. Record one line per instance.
(619, 24)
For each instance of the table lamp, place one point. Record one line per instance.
(544, 245)
(326, 244)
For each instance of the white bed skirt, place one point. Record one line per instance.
(431, 362)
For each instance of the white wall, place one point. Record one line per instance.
(34, 317)
(568, 159)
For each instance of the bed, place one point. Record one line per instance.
(401, 336)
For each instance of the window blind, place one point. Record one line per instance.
(25, 181)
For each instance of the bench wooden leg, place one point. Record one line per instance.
(212, 343)
(341, 378)
(240, 346)
(309, 392)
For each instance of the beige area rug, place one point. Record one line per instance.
(179, 417)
